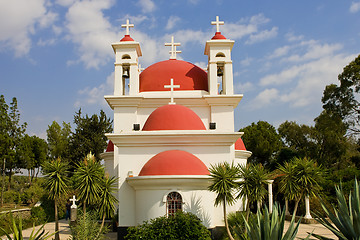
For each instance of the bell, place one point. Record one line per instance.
(126, 73)
(220, 72)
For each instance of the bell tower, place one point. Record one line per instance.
(127, 53)
(220, 70)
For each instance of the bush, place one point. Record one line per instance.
(32, 194)
(87, 227)
(38, 215)
(179, 226)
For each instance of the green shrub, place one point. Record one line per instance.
(87, 227)
(32, 194)
(179, 226)
(38, 215)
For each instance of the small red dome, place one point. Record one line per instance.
(185, 74)
(218, 35)
(126, 38)
(239, 145)
(173, 117)
(174, 162)
(110, 147)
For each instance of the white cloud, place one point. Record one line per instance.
(172, 22)
(355, 7)
(147, 5)
(95, 95)
(91, 32)
(246, 62)
(19, 20)
(262, 36)
(292, 38)
(280, 78)
(264, 98)
(279, 52)
(243, 87)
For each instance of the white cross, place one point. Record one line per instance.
(73, 201)
(127, 26)
(173, 45)
(172, 86)
(217, 23)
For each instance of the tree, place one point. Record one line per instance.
(224, 178)
(89, 135)
(11, 133)
(88, 177)
(252, 184)
(299, 178)
(58, 139)
(343, 100)
(107, 200)
(263, 141)
(32, 153)
(56, 175)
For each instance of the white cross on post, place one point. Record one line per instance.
(217, 23)
(127, 26)
(73, 200)
(173, 45)
(172, 86)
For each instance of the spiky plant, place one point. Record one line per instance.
(344, 220)
(266, 226)
(16, 229)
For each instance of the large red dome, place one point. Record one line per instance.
(174, 162)
(173, 117)
(185, 74)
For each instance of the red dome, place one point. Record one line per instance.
(185, 74)
(173, 117)
(126, 38)
(110, 147)
(218, 35)
(239, 145)
(174, 162)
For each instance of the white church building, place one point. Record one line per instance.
(172, 121)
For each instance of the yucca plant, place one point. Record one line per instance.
(345, 218)
(266, 226)
(16, 229)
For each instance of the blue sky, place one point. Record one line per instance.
(56, 56)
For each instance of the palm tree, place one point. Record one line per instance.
(107, 199)
(56, 175)
(224, 181)
(252, 185)
(300, 177)
(88, 178)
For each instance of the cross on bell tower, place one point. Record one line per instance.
(173, 50)
(217, 23)
(127, 26)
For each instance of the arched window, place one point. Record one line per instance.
(126, 56)
(173, 203)
(220, 54)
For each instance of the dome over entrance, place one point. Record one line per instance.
(173, 117)
(174, 162)
(185, 74)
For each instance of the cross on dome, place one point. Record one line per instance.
(127, 26)
(140, 68)
(173, 50)
(172, 86)
(217, 23)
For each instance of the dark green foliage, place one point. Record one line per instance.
(342, 100)
(263, 141)
(179, 226)
(58, 139)
(236, 222)
(38, 215)
(89, 135)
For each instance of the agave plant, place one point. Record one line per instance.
(266, 226)
(345, 218)
(16, 228)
